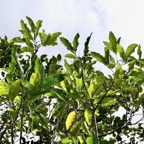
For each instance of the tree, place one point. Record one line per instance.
(71, 103)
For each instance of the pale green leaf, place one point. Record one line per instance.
(4, 88)
(88, 116)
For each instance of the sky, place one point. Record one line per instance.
(123, 17)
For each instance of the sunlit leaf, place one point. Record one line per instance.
(108, 101)
(70, 56)
(70, 118)
(4, 89)
(88, 116)
(66, 141)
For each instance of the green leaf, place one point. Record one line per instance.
(44, 38)
(53, 38)
(139, 52)
(88, 116)
(81, 139)
(99, 57)
(130, 49)
(38, 66)
(91, 139)
(38, 26)
(91, 89)
(66, 141)
(31, 23)
(34, 81)
(4, 89)
(113, 41)
(14, 89)
(118, 76)
(25, 30)
(107, 55)
(13, 56)
(108, 102)
(75, 42)
(86, 48)
(121, 52)
(84, 128)
(67, 66)
(52, 80)
(18, 39)
(70, 56)
(27, 49)
(111, 141)
(75, 128)
(66, 43)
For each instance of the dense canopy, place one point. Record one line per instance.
(68, 99)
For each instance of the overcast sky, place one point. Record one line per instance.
(123, 17)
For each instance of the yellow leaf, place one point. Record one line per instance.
(70, 119)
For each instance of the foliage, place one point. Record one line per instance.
(74, 103)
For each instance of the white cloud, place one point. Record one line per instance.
(125, 18)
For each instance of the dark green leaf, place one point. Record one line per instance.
(107, 55)
(111, 141)
(52, 80)
(18, 39)
(27, 49)
(86, 48)
(75, 42)
(66, 43)
(92, 138)
(139, 52)
(99, 57)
